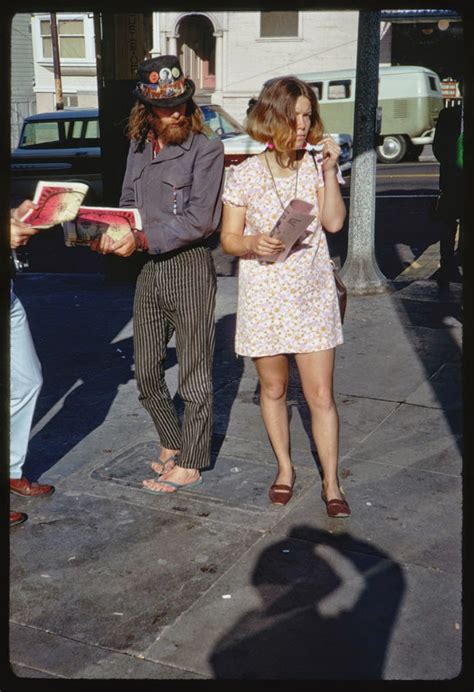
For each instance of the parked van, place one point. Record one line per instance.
(410, 98)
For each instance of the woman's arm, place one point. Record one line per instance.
(331, 204)
(234, 242)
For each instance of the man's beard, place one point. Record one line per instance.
(173, 134)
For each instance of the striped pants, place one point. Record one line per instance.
(177, 295)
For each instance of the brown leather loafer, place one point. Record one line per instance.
(280, 493)
(337, 509)
(17, 518)
(23, 487)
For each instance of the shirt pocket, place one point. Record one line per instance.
(176, 194)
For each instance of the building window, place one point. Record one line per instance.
(278, 24)
(70, 100)
(317, 87)
(71, 38)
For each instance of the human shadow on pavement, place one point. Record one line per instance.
(329, 604)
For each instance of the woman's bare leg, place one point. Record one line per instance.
(317, 373)
(273, 376)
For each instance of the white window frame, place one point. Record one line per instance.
(89, 44)
(266, 39)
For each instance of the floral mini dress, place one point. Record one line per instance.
(290, 306)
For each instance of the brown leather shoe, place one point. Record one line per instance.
(280, 493)
(23, 487)
(336, 509)
(17, 518)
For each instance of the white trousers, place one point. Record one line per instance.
(25, 385)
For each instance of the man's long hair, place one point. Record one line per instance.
(139, 121)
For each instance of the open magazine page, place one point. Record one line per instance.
(92, 222)
(57, 202)
(291, 227)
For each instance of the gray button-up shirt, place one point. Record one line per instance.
(178, 193)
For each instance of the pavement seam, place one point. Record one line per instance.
(173, 512)
(398, 466)
(376, 427)
(39, 670)
(120, 652)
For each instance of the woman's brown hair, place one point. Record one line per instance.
(272, 118)
(138, 126)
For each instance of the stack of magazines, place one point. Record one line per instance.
(59, 203)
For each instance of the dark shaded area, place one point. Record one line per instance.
(405, 226)
(440, 49)
(329, 605)
(82, 369)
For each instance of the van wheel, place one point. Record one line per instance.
(392, 149)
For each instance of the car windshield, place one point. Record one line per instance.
(221, 123)
(54, 134)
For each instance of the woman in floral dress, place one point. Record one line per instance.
(289, 307)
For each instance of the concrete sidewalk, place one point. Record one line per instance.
(109, 581)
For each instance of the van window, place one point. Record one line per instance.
(317, 87)
(432, 83)
(340, 89)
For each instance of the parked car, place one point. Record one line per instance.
(65, 145)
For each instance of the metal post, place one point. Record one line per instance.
(56, 64)
(360, 271)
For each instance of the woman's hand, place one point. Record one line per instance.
(123, 248)
(331, 152)
(263, 245)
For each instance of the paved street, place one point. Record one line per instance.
(109, 581)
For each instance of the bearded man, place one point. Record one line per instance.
(174, 177)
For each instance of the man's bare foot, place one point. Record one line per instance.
(177, 477)
(166, 461)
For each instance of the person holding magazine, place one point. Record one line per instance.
(174, 178)
(289, 306)
(25, 374)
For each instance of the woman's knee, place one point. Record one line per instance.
(274, 389)
(320, 398)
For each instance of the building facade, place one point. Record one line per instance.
(77, 60)
(229, 54)
(22, 95)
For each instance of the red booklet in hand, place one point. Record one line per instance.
(56, 202)
(92, 222)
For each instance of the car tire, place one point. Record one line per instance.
(393, 149)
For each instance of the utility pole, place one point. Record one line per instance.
(56, 63)
(360, 272)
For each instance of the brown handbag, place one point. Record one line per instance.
(341, 291)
